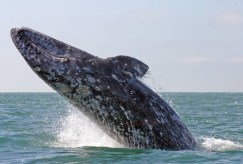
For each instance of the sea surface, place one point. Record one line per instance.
(44, 128)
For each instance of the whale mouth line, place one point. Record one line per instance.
(18, 32)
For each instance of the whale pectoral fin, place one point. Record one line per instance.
(129, 65)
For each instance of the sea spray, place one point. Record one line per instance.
(76, 130)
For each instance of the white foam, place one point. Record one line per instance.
(214, 144)
(75, 130)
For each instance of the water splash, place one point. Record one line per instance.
(149, 80)
(214, 144)
(76, 130)
(161, 87)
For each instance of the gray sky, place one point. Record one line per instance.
(190, 45)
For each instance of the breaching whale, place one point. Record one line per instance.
(107, 91)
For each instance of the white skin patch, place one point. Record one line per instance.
(126, 73)
(91, 79)
(83, 90)
(175, 117)
(63, 88)
(37, 69)
(97, 88)
(99, 98)
(115, 77)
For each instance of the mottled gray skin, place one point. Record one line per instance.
(107, 91)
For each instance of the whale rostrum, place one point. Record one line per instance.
(107, 91)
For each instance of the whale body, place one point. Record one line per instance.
(107, 91)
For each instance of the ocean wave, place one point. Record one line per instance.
(76, 130)
(216, 144)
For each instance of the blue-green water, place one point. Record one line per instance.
(43, 128)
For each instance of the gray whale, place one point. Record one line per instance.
(107, 91)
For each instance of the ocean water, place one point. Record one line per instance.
(43, 128)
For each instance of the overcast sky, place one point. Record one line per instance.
(190, 45)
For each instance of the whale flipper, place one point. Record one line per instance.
(130, 65)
